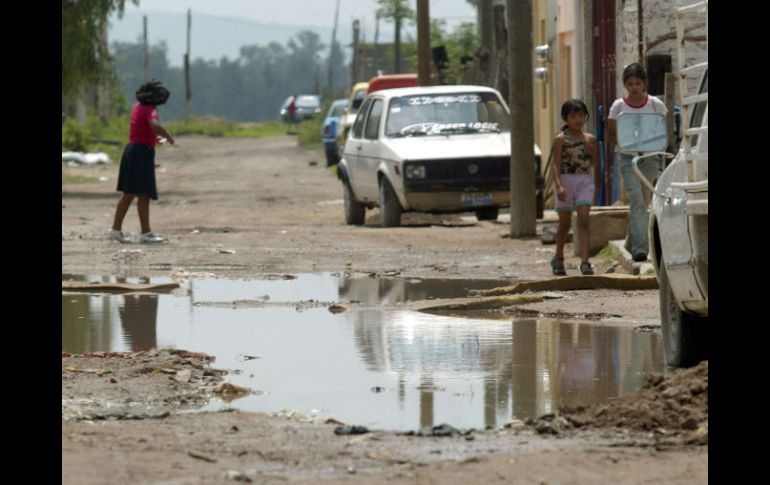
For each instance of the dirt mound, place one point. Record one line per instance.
(667, 404)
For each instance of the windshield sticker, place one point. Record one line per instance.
(461, 98)
(436, 128)
(395, 109)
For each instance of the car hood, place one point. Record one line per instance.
(452, 146)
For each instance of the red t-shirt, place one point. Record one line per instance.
(141, 132)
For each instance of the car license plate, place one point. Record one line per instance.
(476, 199)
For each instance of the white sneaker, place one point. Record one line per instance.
(114, 235)
(150, 238)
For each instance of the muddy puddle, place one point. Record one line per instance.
(375, 364)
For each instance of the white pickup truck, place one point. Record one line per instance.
(678, 230)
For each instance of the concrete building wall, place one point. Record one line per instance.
(659, 33)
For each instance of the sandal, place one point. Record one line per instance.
(586, 269)
(558, 270)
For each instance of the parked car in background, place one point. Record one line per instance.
(391, 81)
(357, 95)
(428, 149)
(329, 130)
(308, 106)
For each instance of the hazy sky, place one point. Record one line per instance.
(236, 23)
(303, 12)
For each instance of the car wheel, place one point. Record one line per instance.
(684, 334)
(390, 207)
(355, 211)
(487, 214)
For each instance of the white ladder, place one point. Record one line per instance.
(684, 14)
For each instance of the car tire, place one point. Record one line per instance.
(355, 211)
(390, 207)
(684, 334)
(487, 214)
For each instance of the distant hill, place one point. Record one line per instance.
(214, 37)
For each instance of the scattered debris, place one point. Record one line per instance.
(201, 456)
(237, 476)
(442, 429)
(338, 308)
(244, 357)
(347, 429)
(228, 388)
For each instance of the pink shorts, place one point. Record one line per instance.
(579, 190)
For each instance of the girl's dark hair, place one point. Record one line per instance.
(152, 92)
(572, 106)
(634, 70)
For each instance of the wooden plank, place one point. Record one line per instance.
(101, 286)
(583, 282)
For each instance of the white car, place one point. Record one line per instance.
(437, 149)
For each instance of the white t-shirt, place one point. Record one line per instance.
(651, 104)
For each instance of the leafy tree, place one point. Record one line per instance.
(84, 54)
(398, 11)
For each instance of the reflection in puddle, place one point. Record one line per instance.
(427, 369)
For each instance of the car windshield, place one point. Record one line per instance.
(336, 111)
(308, 101)
(445, 114)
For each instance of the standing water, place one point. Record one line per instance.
(374, 365)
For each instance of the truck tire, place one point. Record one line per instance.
(355, 211)
(390, 207)
(487, 214)
(684, 335)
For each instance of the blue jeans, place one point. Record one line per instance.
(639, 198)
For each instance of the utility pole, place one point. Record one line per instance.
(103, 86)
(355, 60)
(640, 28)
(146, 52)
(520, 51)
(376, 28)
(423, 43)
(398, 45)
(330, 85)
(486, 25)
(188, 93)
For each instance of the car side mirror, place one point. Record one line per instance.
(357, 103)
(642, 132)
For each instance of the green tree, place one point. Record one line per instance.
(397, 11)
(84, 54)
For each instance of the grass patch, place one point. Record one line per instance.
(609, 254)
(218, 127)
(110, 136)
(309, 133)
(78, 179)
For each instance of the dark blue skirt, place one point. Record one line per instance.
(137, 171)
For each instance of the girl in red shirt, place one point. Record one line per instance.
(137, 166)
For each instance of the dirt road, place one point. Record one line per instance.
(252, 207)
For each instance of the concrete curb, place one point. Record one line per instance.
(627, 261)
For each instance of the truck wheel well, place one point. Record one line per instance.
(656, 242)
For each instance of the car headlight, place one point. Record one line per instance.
(415, 171)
